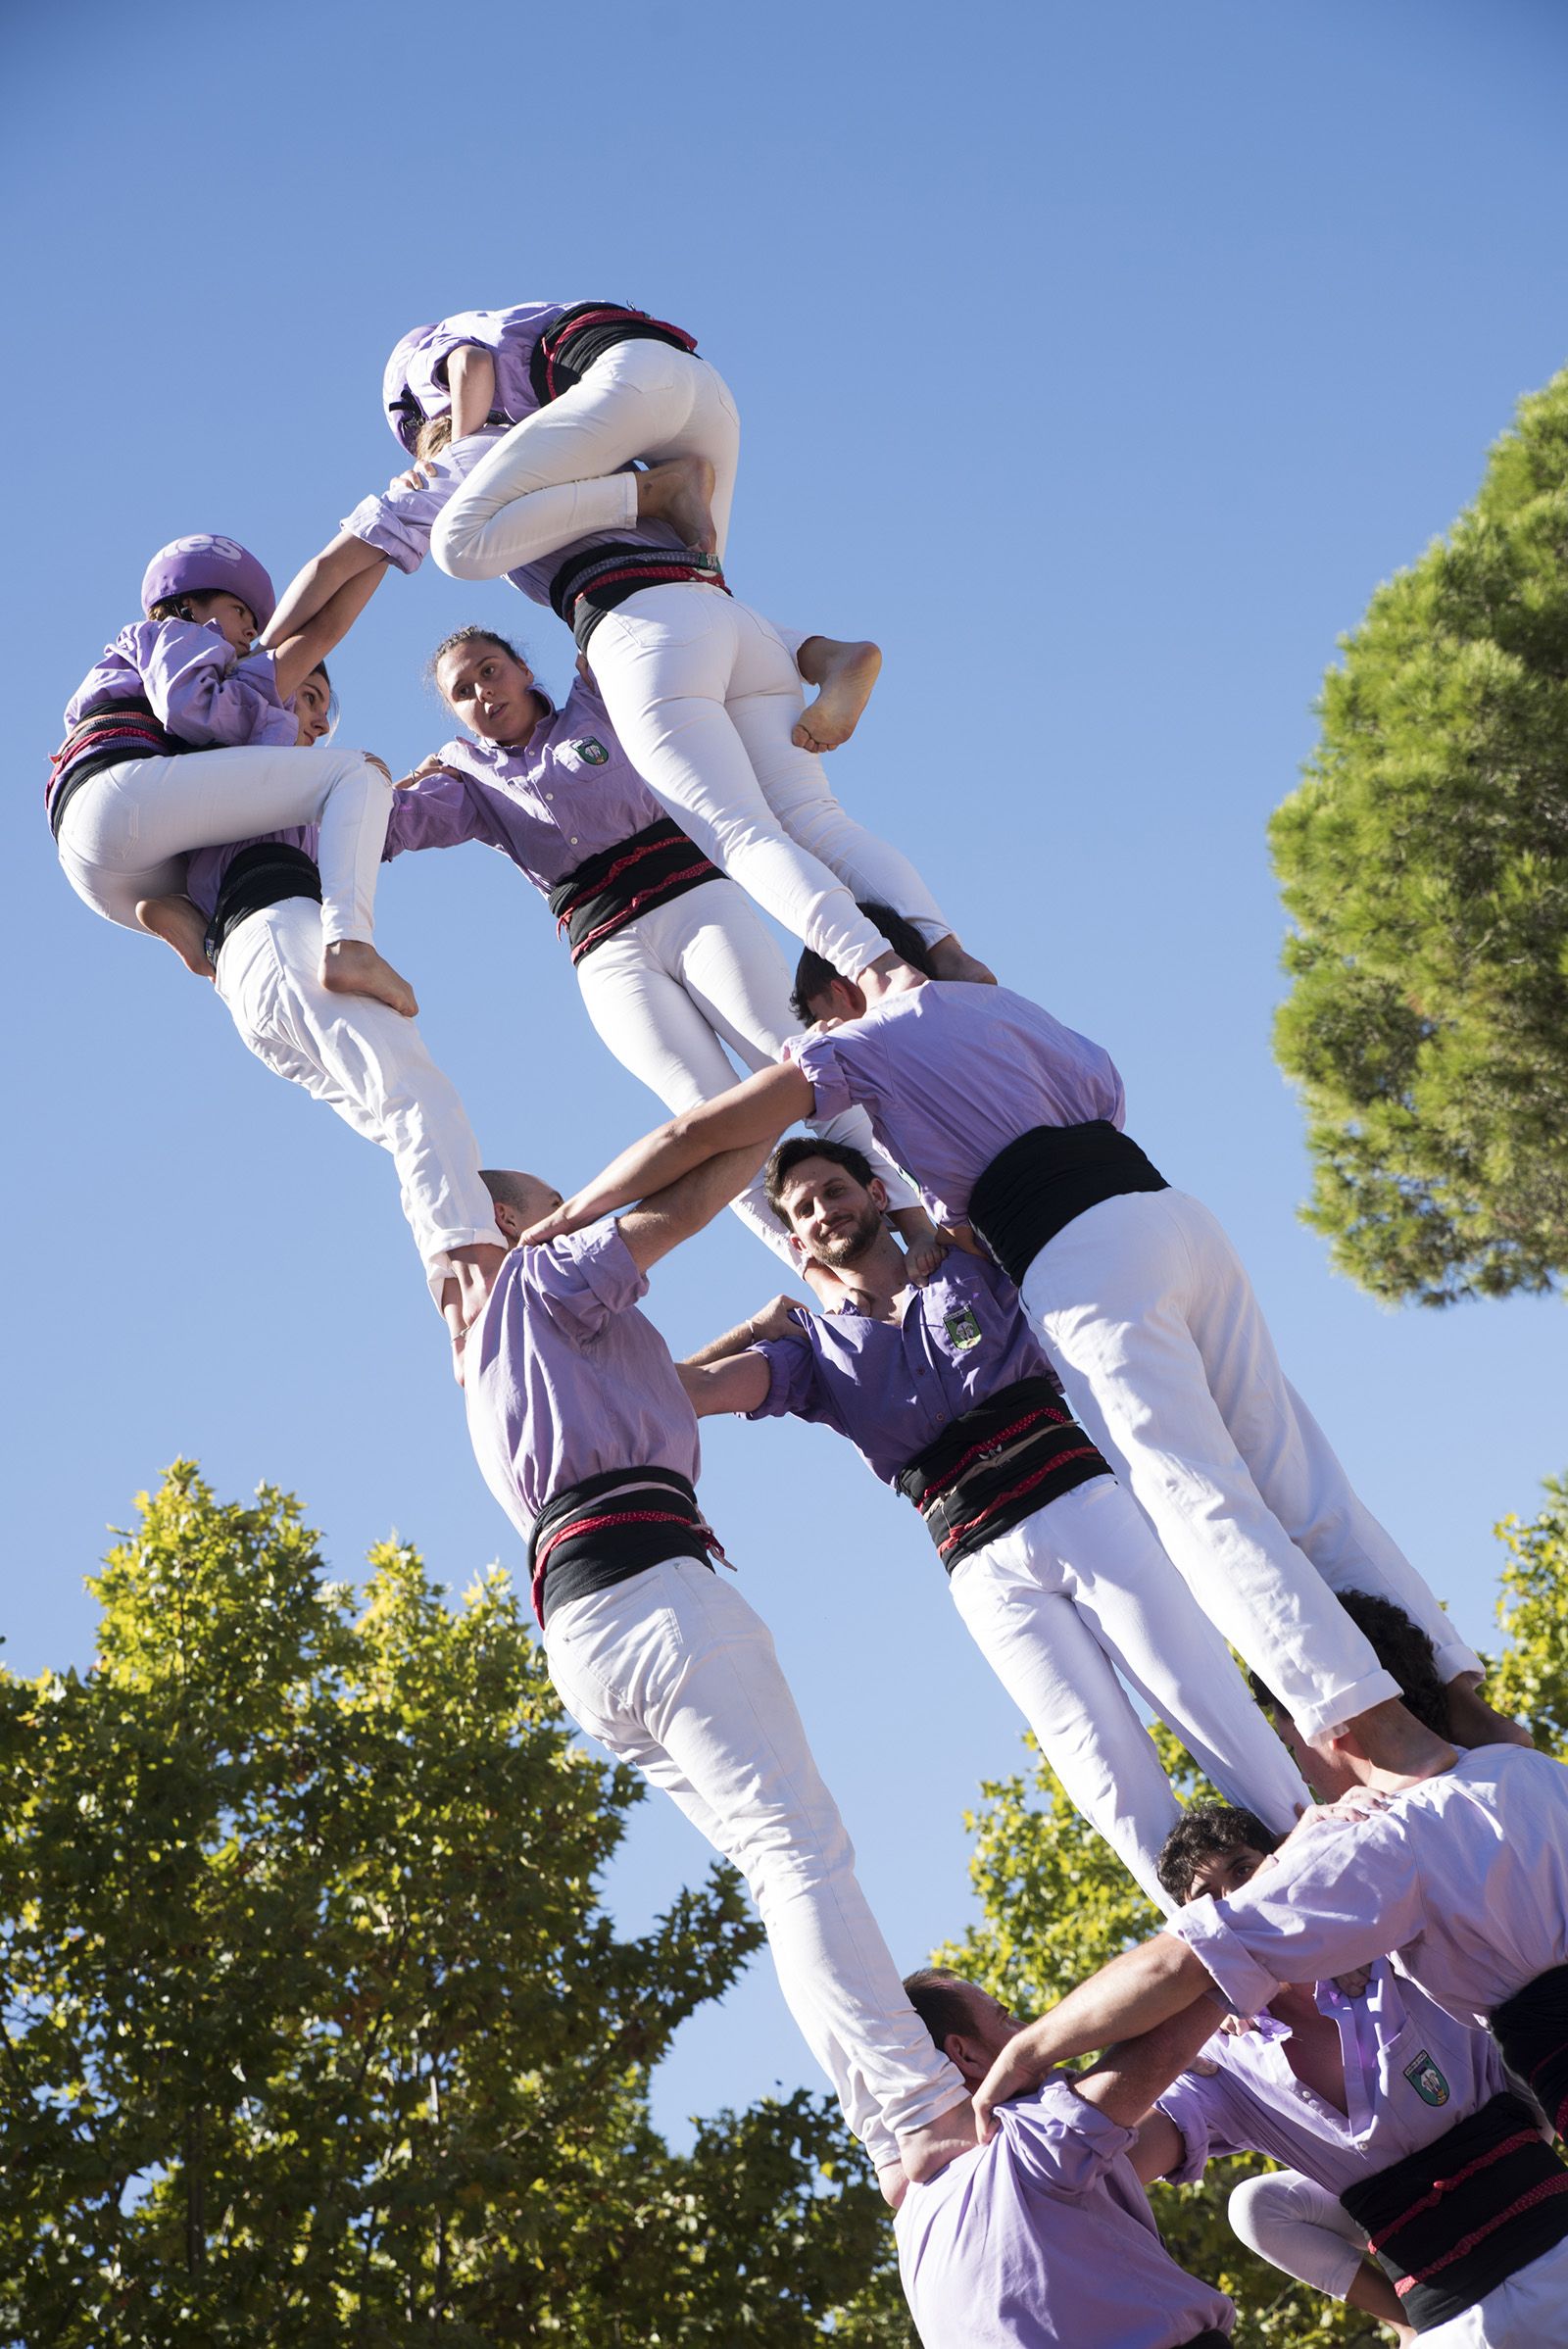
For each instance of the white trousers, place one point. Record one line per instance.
(674, 1673)
(670, 990)
(1304, 2229)
(366, 1062)
(1149, 1315)
(704, 694)
(555, 479)
(1054, 1606)
(128, 832)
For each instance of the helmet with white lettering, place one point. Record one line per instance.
(403, 410)
(203, 564)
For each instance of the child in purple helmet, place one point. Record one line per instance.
(525, 424)
(181, 737)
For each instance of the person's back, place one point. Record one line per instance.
(1045, 2236)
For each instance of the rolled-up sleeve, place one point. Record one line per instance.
(440, 812)
(1197, 2111)
(820, 1063)
(1063, 2138)
(794, 1389)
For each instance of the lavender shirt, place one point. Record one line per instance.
(568, 792)
(509, 335)
(564, 1378)
(200, 687)
(1044, 2236)
(1464, 1878)
(1411, 2073)
(398, 519)
(951, 1073)
(893, 1386)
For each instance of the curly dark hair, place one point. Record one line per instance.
(815, 973)
(1401, 1648)
(1207, 1830)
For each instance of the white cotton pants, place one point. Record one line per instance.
(1150, 1317)
(1301, 2228)
(669, 992)
(1054, 1606)
(556, 478)
(128, 832)
(366, 1062)
(674, 1673)
(704, 694)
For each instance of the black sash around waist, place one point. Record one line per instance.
(996, 1464)
(577, 1546)
(566, 349)
(1449, 2224)
(1211, 2338)
(612, 889)
(602, 576)
(1034, 1187)
(267, 873)
(106, 737)
(1531, 2030)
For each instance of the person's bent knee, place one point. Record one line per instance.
(452, 545)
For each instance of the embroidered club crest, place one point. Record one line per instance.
(962, 1328)
(591, 750)
(1426, 2079)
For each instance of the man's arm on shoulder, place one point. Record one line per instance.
(1136, 1993)
(685, 1205)
(750, 1118)
(738, 1383)
(1129, 2076)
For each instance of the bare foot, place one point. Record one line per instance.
(352, 966)
(888, 975)
(178, 923)
(849, 672)
(922, 2152)
(949, 961)
(681, 493)
(1474, 1722)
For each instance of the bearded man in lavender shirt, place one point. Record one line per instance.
(1367, 2091)
(1044, 2236)
(945, 1392)
(586, 1439)
(1012, 1122)
(1456, 1863)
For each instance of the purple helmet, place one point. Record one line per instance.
(197, 565)
(403, 410)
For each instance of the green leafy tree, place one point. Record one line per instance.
(1424, 863)
(1056, 1905)
(311, 2027)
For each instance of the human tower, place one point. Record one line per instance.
(1054, 1355)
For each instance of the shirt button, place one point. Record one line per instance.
(573, 841)
(549, 795)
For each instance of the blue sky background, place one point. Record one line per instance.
(1097, 361)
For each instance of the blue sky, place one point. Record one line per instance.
(1097, 361)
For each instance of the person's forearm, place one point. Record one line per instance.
(310, 646)
(1130, 2075)
(1138, 1990)
(750, 1114)
(472, 380)
(314, 587)
(738, 1341)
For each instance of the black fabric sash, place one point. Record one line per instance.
(264, 874)
(575, 1547)
(1531, 2030)
(565, 351)
(1449, 2224)
(602, 576)
(612, 889)
(1034, 1187)
(1211, 2339)
(108, 736)
(997, 1464)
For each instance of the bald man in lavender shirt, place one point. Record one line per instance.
(586, 1439)
(1012, 1122)
(945, 1392)
(1044, 2238)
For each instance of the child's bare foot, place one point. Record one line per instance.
(681, 493)
(844, 674)
(178, 923)
(888, 975)
(352, 966)
(949, 961)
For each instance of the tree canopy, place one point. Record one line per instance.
(1424, 864)
(314, 2029)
